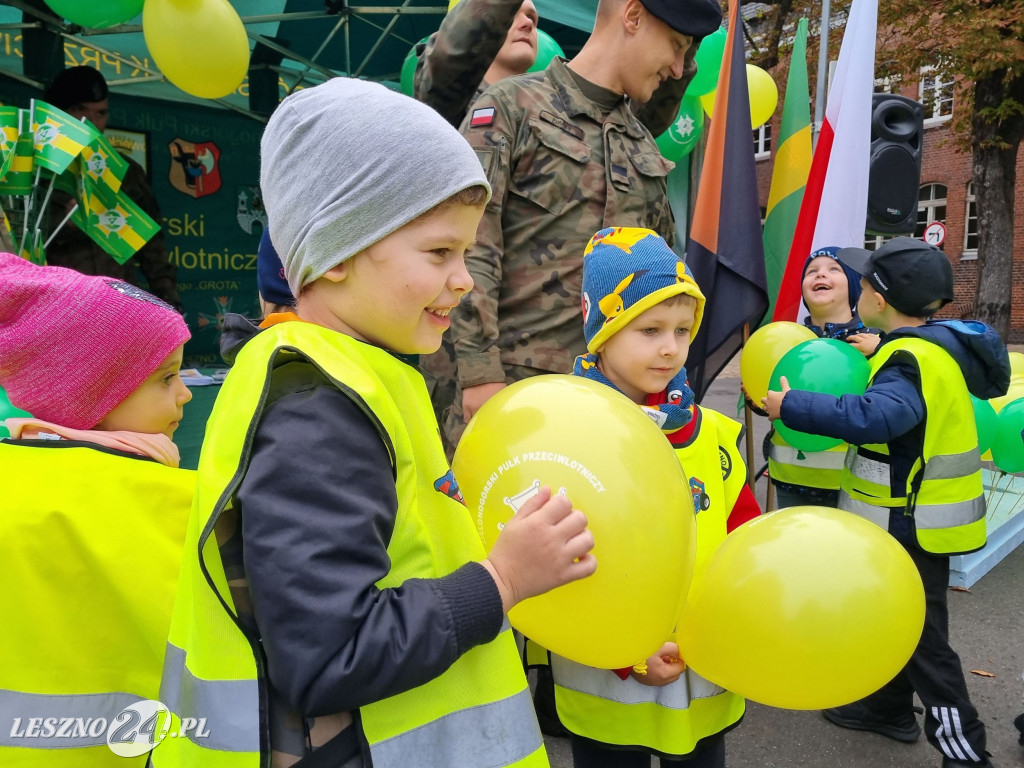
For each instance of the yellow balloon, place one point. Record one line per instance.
(764, 95)
(1015, 391)
(592, 443)
(762, 352)
(199, 45)
(1017, 363)
(804, 608)
(762, 92)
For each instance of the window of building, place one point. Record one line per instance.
(971, 226)
(936, 95)
(888, 84)
(874, 242)
(931, 206)
(763, 142)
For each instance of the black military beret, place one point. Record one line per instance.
(697, 18)
(75, 86)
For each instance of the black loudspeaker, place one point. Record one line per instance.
(897, 131)
(42, 47)
(263, 81)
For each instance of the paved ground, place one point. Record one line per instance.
(986, 628)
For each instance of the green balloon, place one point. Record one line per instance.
(828, 366)
(9, 411)
(682, 136)
(96, 14)
(709, 63)
(987, 422)
(547, 49)
(409, 68)
(1008, 446)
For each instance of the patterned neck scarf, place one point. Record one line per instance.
(669, 416)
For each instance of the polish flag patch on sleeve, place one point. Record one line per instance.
(481, 117)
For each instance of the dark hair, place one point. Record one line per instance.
(76, 86)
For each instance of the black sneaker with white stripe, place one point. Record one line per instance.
(858, 717)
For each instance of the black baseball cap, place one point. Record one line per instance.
(697, 18)
(910, 274)
(76, 85)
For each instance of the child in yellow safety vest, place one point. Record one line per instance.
(336, 590)
(94, 510)
(641, 308)
(830, 292)
(913, 468)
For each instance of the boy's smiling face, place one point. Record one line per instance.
(398, 293)
(825, 286)
(645, 355)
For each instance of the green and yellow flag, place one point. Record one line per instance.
(792, 166)
(59, 138)
(104, 164)
(10, 129)
(113, 221)
(16, 176)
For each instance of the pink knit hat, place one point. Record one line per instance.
(73, 346)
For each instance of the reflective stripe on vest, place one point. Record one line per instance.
(215, 701)
(503, 734)
(949, 505)
(811, 469)
(90, 552)
(74, 721)
(478, 712)
(671, 719)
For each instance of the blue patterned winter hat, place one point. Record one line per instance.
(627, 270)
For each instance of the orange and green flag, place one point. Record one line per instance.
(59, 138)
(114, 222)
(792, 166)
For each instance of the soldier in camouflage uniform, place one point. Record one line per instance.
(565, 156)
(458, 62)
(82, 92)
(479, 43)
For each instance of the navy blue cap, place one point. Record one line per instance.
(76, 85)
(270, 279)
(697, 18)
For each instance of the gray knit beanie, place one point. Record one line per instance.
(347, 163)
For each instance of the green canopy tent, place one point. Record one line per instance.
(302, 41)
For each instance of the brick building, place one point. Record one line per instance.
(946, 195)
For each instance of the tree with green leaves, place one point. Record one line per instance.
(980, 44)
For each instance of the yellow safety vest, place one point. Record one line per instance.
(90, 548)
(477, 713)
(944, 490)
(810, 469)
(669, 719)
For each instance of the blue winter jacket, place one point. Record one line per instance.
(891, 410)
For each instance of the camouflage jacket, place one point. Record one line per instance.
(453, 61)
(452, 64)
(559, 171)
(74, 249)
